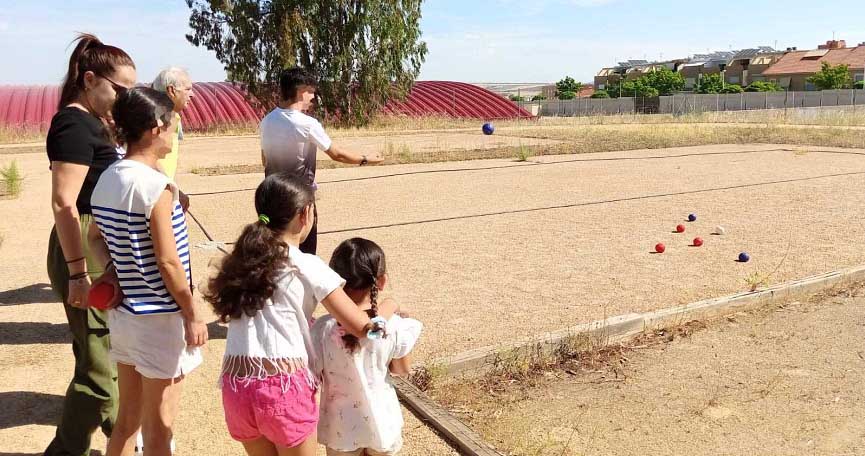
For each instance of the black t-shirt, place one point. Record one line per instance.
(78, 137)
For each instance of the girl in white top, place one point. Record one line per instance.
(156, 327)
(360, 413)
(267, 290)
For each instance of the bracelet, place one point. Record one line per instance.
(75, 260)
(80, 276)
(108, 266)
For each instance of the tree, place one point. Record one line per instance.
(639, 88)
(568, 95)
(711, 83)
(832, 77)
(601, 94)
(539, 97)
(763, 86)
(614, 89)
(568, 84)
(659, 82)
(664, 80)
(859, 85)
(363, 52)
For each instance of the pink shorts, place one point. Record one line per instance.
(281, 408)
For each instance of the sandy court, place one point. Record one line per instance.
(535, 270)
(790, 381)
(547, 269)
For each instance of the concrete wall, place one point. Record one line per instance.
(688, 103)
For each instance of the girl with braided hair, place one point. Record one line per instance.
(360, 414)
(267, 290)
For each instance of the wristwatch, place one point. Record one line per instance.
(363, 160)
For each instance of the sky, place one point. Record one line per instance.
(471, 41)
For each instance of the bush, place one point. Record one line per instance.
(516, 98)
(600, 94)
(763, 86)
(539, 98)
(732, 88)
(859, 85)
(567, 95)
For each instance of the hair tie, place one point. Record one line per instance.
(264, 219)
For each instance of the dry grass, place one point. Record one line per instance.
(404, 154)
(604, 138)
(18, 135)
(228, 129)
(631, 137)
(514, 375)
(401, 125)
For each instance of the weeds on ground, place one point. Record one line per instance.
(523, 153)
(757, 279)
(427, 376)
(12, 179)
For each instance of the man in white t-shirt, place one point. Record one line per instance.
(290, 139)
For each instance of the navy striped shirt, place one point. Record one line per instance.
(122, 203)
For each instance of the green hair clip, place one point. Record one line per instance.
(264, 219)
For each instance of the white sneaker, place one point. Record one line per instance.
(139, 445)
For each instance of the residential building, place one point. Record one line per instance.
(748, 65)
(793, 69)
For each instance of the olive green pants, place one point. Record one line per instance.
(91, 399)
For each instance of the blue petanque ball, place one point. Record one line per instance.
(488, 129)
(692, 217)
(744, 257)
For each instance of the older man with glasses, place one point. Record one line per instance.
(175, 82)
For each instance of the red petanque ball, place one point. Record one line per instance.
(100, 296)
(680, 228)
(698, 242)
(660, 248)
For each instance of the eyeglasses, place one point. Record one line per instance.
(117, 87)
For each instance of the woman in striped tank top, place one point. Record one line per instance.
(157, 327)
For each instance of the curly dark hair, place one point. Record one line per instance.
(248, 275)
(360, 262)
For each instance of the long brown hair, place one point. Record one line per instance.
(360, 262)
(90, 54)
(248, 276)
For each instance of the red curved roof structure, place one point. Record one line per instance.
(224, 103)
(454, 99)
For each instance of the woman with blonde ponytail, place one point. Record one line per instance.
(80, 148)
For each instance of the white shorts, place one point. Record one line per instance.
(154, 344)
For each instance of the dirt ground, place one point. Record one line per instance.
(545, 244)
(206, 152)
(785, 381)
